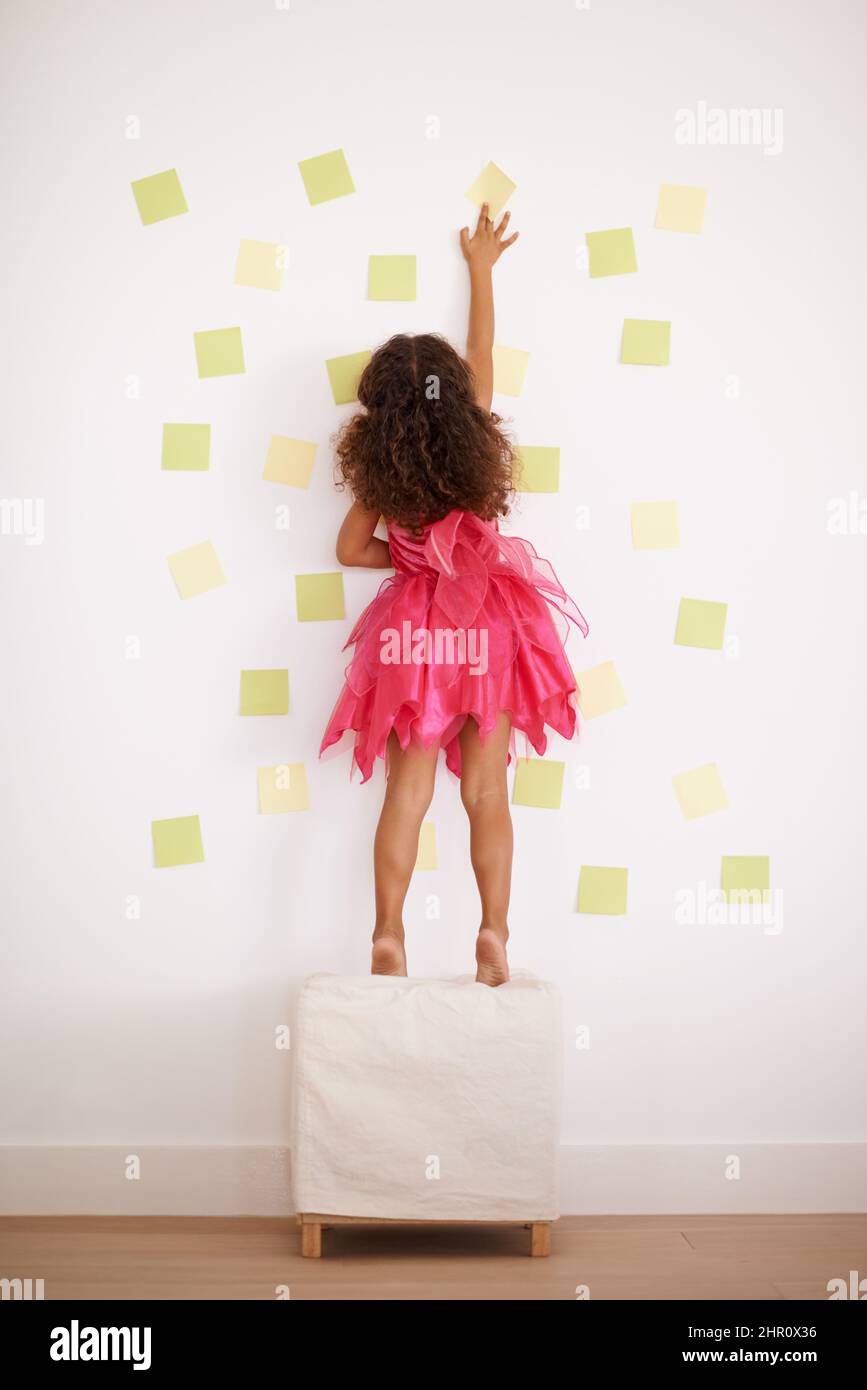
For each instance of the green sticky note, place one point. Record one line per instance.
(159, 196)
(701, 623)
(319, 597)
(344, 373)
(326, 176)
(602, 891)
(186, 448)
(538, 468)
(391, 277)
(538, 782)
(745, 876)
(177, 841)
(611, 253)
(264, 692)
(219, 352)
(646, 342)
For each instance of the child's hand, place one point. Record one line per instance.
(484, 248)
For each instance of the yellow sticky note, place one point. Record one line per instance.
(265, 692)
(196, 570)
(326, 176)
(680, 208)
(427, 846)
(391, 277)
(319, 597)
(599, 690)
(611, 253)
(538, 468)
(602, 891)
(492, 187)
(538, 782)
(655, 525)
(159, 196)
(701, 623)
(746, 876)
(289, 461)
(186, 448)
(260, 265)
(282, 788)
(700, 791)
(219, 352)
(177, 841)
(344, 373)
(645, 342)
(510, 368)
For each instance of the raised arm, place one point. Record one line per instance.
(357, 546)
(481, 251)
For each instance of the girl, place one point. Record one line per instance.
(460, 647)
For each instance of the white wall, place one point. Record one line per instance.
(160, 1031)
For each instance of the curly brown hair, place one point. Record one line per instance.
(422, 446)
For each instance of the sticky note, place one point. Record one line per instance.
(265, 692)
(196, 570)
(326, 176)
(344, 374)
(391, 277)
(219, 352)
(260, 265)
(319, 597)
(701, 623)
(645, 342)
(602, 891)
(492, 187)
(680, 208)
(611, 253)
(599, 690)
(282, 788)
(510, 368)
(538, 468)
(700, 791)
(538, 782)
(177, 841)
(655, 525)
(158, 197)
(289, 461)
(745, 876)
(427, 846)
(186, 448)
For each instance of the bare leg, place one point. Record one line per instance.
(485, 795)
(408, 793)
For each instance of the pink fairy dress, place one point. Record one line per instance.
(464, 628)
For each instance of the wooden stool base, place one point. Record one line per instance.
(314, 1223)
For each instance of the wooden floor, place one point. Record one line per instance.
(615, 1257)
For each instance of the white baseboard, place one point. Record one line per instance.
(601, 1179)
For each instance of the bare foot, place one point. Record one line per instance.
(388, 957)
(493, 966)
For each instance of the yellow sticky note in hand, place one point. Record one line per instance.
(510, 368)
(282, 788)
(680, 208)
(538, 468)
(186, 448)
(655, 525)
(700, 791)
(260, 265)
(289, 461)
(602, 891)
(160, 196)
(492, 187)
(599, 690)
(538, 782)
(645, 342)
(611, 253)
(219, 352)
(344, 374)
(326, 176)
(265, 692)
(177, 841)
(196, 570)
(391, 277)
(319, 597)
(746, 877)
(701, 623)
(427, 846)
